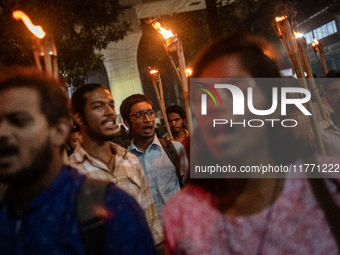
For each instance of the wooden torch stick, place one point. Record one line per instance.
(155, 77)
(317, 47)
(47, 58)
(303, 84)
(36, 47)
(302, 46)
(184, 82)
(173, 43)
(323, 60)
(290, 43)
(54, 60)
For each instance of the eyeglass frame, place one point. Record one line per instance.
(150, 113)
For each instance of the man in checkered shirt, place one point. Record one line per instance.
(94, 111)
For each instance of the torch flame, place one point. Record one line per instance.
(153, 71)
(315, 42)
(277, 19)
(188, 72)
(166, 33)
(36, 30)
(298, 35)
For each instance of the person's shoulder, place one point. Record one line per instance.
(118, 195)
(78, 156)
(126, 224)
(178, 146)
(72, 159)
(122, 204)
(132, 157)
(189, 198)
(73, 172)
(189, 215)
(126, 155)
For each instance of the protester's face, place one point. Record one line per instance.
(333, 95)
(175, 122)
(74, 139)
(226, 143)
(143, 127)
(25, 136)
(100, 115)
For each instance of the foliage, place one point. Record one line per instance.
(78, 27)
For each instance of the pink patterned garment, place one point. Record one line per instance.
(297, 225)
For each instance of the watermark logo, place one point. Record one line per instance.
(204, 97)
(239, 99)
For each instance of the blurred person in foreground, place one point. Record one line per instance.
(93, 109)
(38, 207)
(246, 215)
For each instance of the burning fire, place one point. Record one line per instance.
(188, 72)
(166, 33)
(315, 42)
(36, 30)
(277, 19)
(153, 71)
(298, 35)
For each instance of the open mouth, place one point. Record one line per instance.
(109, 123)
(7, 154)
(147, 129)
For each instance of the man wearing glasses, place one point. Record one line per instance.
(93, 110)
(139, 116)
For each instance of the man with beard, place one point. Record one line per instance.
(177, 120)
(330, 128)
(38, 205)
(94, 111)
(139, 116)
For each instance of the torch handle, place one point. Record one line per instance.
(323, 60)
(161, 103)
(184, 82)
(286, 32)
(36, 46)
(302, 46)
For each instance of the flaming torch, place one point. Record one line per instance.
(40, 47)
(285, 33)
(173, 43)
(302, 46)
(156, 78)
(317, 47)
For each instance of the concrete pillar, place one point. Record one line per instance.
(121, 62)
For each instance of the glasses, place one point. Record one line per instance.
(141, 114)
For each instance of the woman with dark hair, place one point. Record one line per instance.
(242, 213)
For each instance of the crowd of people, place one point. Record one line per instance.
(136, 197)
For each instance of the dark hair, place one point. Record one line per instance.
(54, 102)
(78, 99)
(125, 107)
(176, 109)
(250, 50)
(330, 74)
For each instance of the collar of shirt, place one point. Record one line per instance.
(120, 153)
(185, 131)
(155, 143)
(328, 124)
